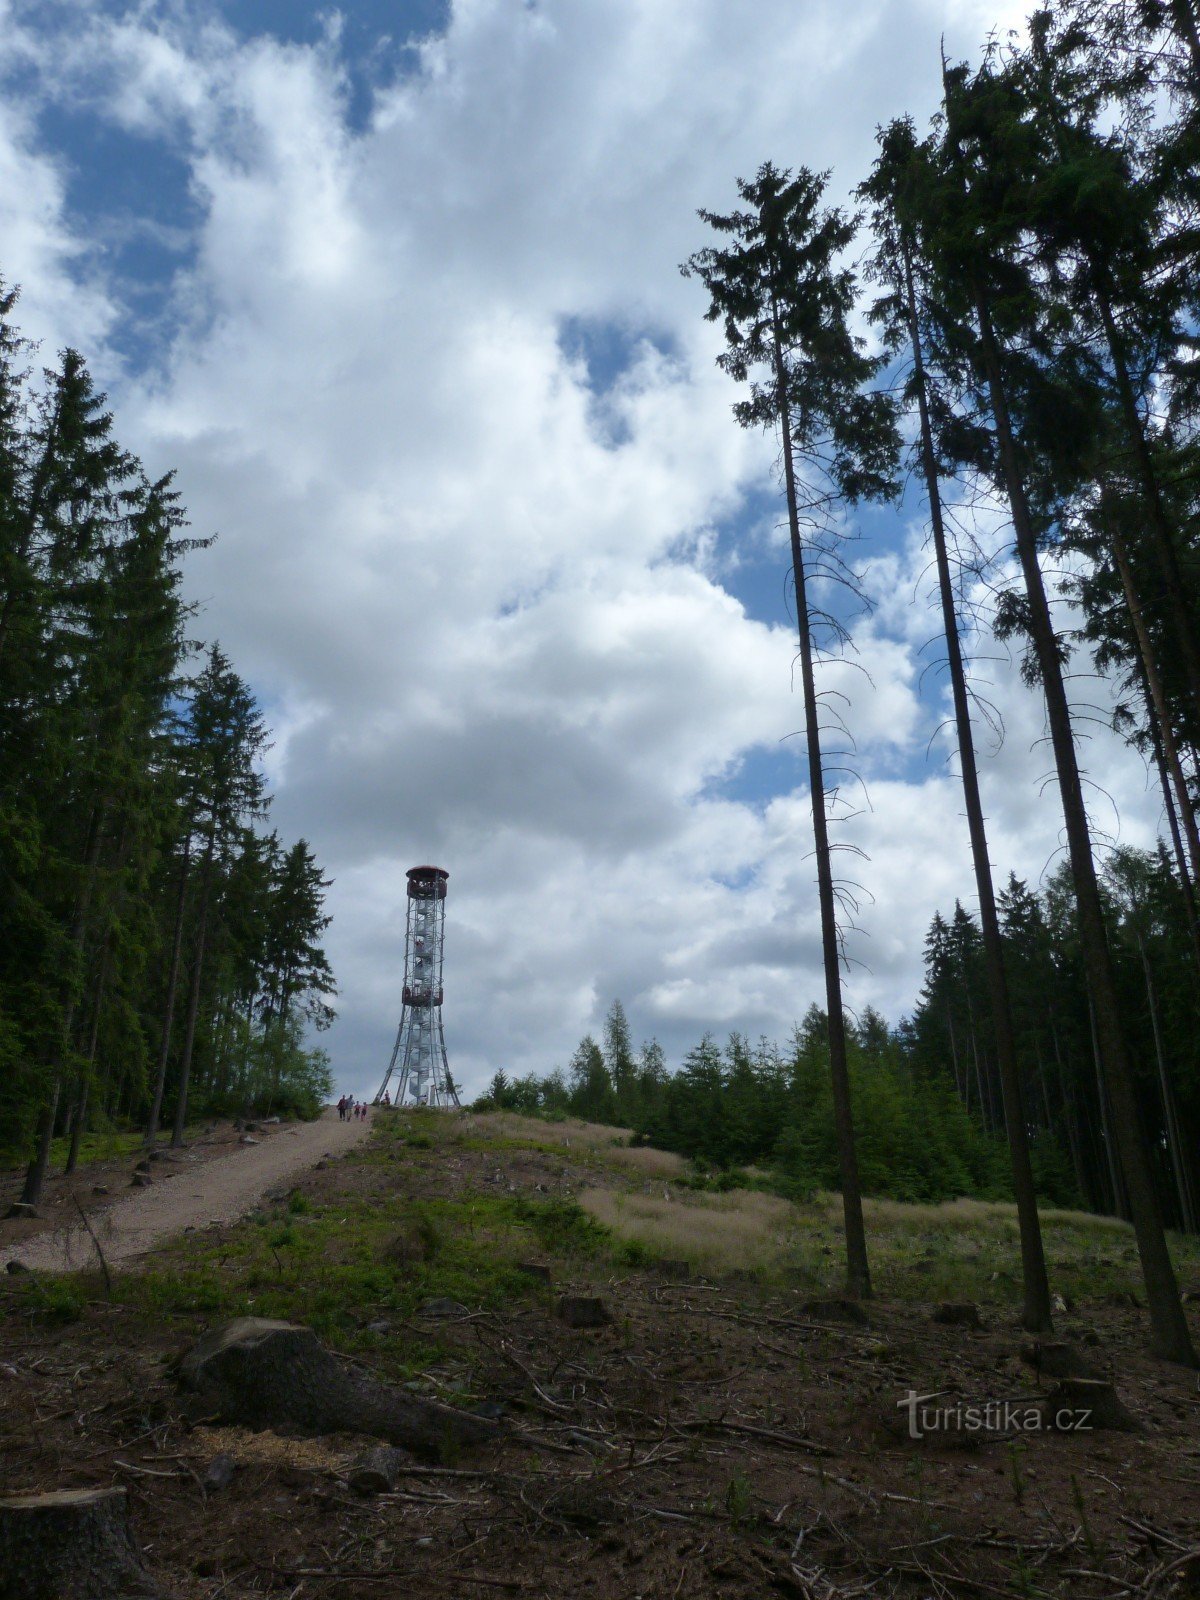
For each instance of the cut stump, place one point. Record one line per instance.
(957, 1314)
(70, 1544)
(1078, 1405)
(583, 1311)
(257, 1373)
(1056, 1359)
(839, 1310)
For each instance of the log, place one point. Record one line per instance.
(258, 1373)
(70, 1544)
(377, 1471)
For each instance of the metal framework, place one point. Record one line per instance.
(419, 1054)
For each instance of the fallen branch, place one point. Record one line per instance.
(790, 1441)
(92, 1235)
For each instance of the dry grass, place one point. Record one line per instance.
(740, 1231)
(593, 1139)
(965, 1213)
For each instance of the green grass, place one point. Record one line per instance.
(106, 1144)
(341, 1264)
(337, 1267)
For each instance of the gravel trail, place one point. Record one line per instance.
(188, 1193)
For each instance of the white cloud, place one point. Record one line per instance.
(483, 608)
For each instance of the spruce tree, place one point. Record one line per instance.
(785, 304)
(896, 266)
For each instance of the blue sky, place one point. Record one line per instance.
(395, 289)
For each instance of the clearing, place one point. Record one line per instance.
(733, 1430)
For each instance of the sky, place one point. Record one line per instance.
(395, 291)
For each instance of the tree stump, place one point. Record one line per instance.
(1081, 1404)
(1056, 1359)
(583, 1311)
(837, 1310)
(957, 1314)
(257, 1373)
(70, 1544)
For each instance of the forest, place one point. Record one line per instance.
(161, 958)
(1007, 321)
(1027, 266)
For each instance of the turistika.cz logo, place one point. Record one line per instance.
(988, 1416)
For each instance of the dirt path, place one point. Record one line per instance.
(189, 1193)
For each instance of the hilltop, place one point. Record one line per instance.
(731, 1429)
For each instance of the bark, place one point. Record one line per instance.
(70, 1544)
(858, 1276)
(1170, 1336)
(1036, 1313)
(258, 1373)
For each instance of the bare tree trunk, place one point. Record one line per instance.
(858, 1276)
(1170, 1122)
(1186, 886)
(79, 1117)
(1170, 1336)
(164, 1044)
(1181, 814)
(185, 1065)
(35, 1177)
(1162, 540)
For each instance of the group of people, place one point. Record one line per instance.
(351, 1110)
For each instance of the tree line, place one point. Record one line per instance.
(161, 953)
(1031, 276)
(733, 1105)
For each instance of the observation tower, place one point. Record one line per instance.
(418, 1061)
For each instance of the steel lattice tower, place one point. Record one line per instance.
(419, 1055)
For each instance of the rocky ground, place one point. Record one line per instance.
(738, 1435)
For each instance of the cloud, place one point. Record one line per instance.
(483, 586)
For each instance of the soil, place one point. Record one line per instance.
(211, 1183)
(716, 1438)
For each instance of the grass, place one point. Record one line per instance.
(341, 1264)
(593, 1140)
(344, 1263)
(716, 1233)
(963, 1249)
(960, 1249)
